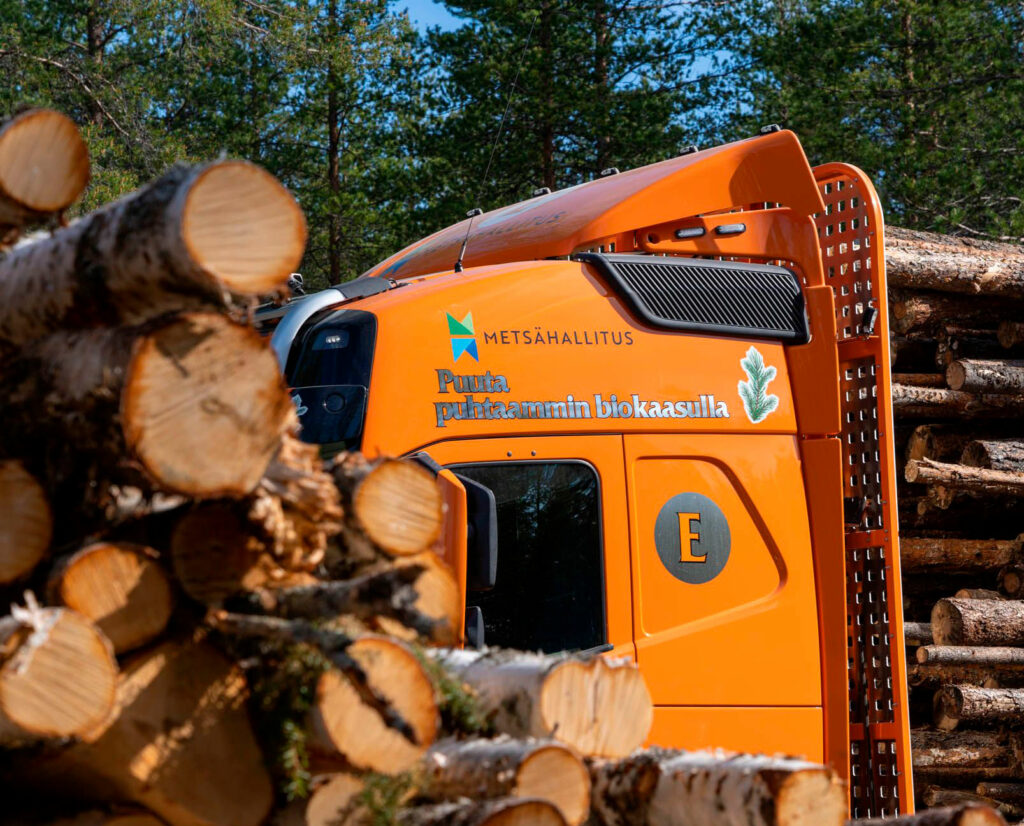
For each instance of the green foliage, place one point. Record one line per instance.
(284, 690)
(754, 392)
(458, 703)
(383, 796)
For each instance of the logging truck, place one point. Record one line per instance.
(659, 405)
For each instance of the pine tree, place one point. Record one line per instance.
(754, 392)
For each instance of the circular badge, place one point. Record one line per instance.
(691, 535)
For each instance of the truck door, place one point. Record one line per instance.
(563, 578)
(724, 593)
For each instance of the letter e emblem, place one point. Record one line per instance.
(691, 537)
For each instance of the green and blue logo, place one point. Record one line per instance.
(463, 337)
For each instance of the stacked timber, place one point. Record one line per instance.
(956, 308)
(211, 626)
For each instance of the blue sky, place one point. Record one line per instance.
(425, 13)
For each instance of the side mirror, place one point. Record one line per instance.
(481, 536)
(474, 626)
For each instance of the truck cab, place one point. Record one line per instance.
(673, 383)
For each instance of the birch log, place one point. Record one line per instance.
(119, 587)
(507, 812)
(26, 522)
(44, 166)
(488, 769)
(195, 401)
(184, 242)
(534, 695)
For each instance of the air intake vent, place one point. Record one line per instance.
(751, 300)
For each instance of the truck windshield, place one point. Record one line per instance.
(329, 371)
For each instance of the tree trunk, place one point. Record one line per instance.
(963, 703)
(929, 555)
(920, 379)
(932, 675)
(978, 622)
(917, 633)
(342, 724)
(621, 790)
(531, 695)
(196, 401)
(977, 376)
(996, 454)
(487, 769)
(936, 403)
(508, 812)
(117, 586)
(44, 166)
(964, 814)
(962, 477)
(58, 676)
(934, 796)
(930, 441)
(180, 744)
(978, 593)
(754, 790)
(915, 311)
(964, 654)
(26, 522)
(181, 243)
(390, 505)
(939, 263)
(1005, 792)
(962, 750)
(1011, 333)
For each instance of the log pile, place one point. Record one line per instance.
(210, 626)
(958, 393)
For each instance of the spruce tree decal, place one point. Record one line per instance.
(756, 400)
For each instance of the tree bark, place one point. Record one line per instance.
(978, 376)
(1005, 792)
(184, 242)
(930, 441)
(962, 703)
(964, 814)
(978, 593)
(342, 724)
(1011, 333)
(917, 633)
(978, 622)
(530, 695)
(180, 743)
(934, 796)
(932, 675)
(58, 676)
(927, 555)
(962, 477)
(932, 311)
(937, 403)
(488, 769)
(920, 379)
(964, 654)
(995, 454)
(44, 166)
(118, 587)
(195, 401)
(508, 812)
(26, 522)
(962, 750)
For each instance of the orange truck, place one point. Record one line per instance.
(659, 402)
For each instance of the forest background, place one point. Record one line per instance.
(383, 129)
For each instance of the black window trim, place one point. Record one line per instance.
(454, 467)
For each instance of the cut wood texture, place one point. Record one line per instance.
(997, 454)
(714, 787)
(333, 802)
(964, 814)
(117, 586)
(925, 261)
(986, 376)
(940, 555)
(58, 676)
(978, 622)
(26, 522)
(533, 695)
(932, 441)
(509, 812)
(44, 166)
(342, 724)
(186, 241)
(1011, 580)
(911, 402)
(964, 478)
(393, 505)
(180, 744)
(196, 400)
(487, 769)
(954, 704)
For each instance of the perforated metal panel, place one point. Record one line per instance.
(850, 235)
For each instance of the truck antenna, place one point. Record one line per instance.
(508, 105)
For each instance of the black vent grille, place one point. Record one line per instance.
(752, 300)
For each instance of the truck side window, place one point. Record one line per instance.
(549, 593)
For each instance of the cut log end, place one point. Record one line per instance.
(58, 677)
(44, 163)
(243, 227)
(334, 801)
(555, 774)
(399, 506)
(204, 406)
(26, 523)
(118, 587)
(342, 723)
(814, 796)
